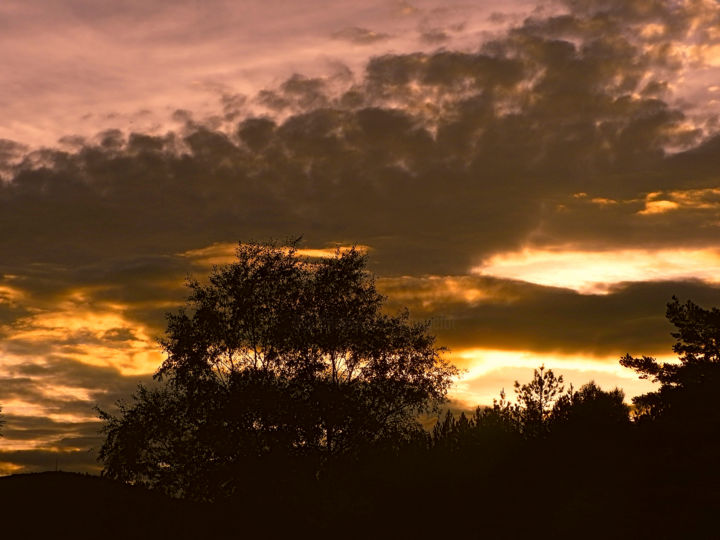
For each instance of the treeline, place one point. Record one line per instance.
(565, 462)
(290, 399)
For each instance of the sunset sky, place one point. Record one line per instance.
(536, 178)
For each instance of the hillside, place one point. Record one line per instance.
(551, 496)
(69, 505)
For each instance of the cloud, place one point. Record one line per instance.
(473, 312)
(63, 388)
(48, 407)
(434, 36)
(28, 461)
(359, 36)
(34, 428)
(480, 144)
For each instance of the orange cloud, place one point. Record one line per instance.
(594, 272)
(659, 202)
(86, 332)
(428, 291)
(224, 253)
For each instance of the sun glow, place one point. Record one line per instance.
(224, 253)
(487, 372)
(595, 272)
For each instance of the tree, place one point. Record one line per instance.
(277, 358)
(688, 387)
(486, 427)
(2, 422)
(529, 416)
(591, 409)
(535, 400)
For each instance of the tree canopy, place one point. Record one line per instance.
(278, 358)
(692, 380)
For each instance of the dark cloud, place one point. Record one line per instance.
(120, 334)
(37, 383)
(102, 379)
(435, 159)
(33, 428)
(360, 36)
(44, 385)
(11, 150)
(9, 313)
(434, 36)
(82, 461)
(513, 315)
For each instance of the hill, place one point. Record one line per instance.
(68, 505)
(592, 498)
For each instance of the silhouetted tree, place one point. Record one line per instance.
(688, 387)
(485, 427)
(2, 422)
(535, 401)
(277, 358)
(490, 431)
(528, 417)
(591, 409)
(678, 425)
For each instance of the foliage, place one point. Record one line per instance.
(689, 385)
(535, 400)
(279, 359)
(531, 412)
(485, 426)
(542, 408)
(591, 408)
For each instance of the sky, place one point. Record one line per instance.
(537, 179)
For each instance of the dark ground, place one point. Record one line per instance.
(54, 505)
(556, 495)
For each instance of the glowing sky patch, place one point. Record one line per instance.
(659, 202)
(9, 468)
(224, 253)
(594, 272)
(10, 295)
(89, 335)
(428, 291)
(488, 371)
(659, 207)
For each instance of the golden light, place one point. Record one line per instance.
(224, 253)
(9, 468)
(10, 295)
(658, 202)
(428, 291)
(488, 371)
(653, 30)
(594, 272)
(659, 207)
(82, 333)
